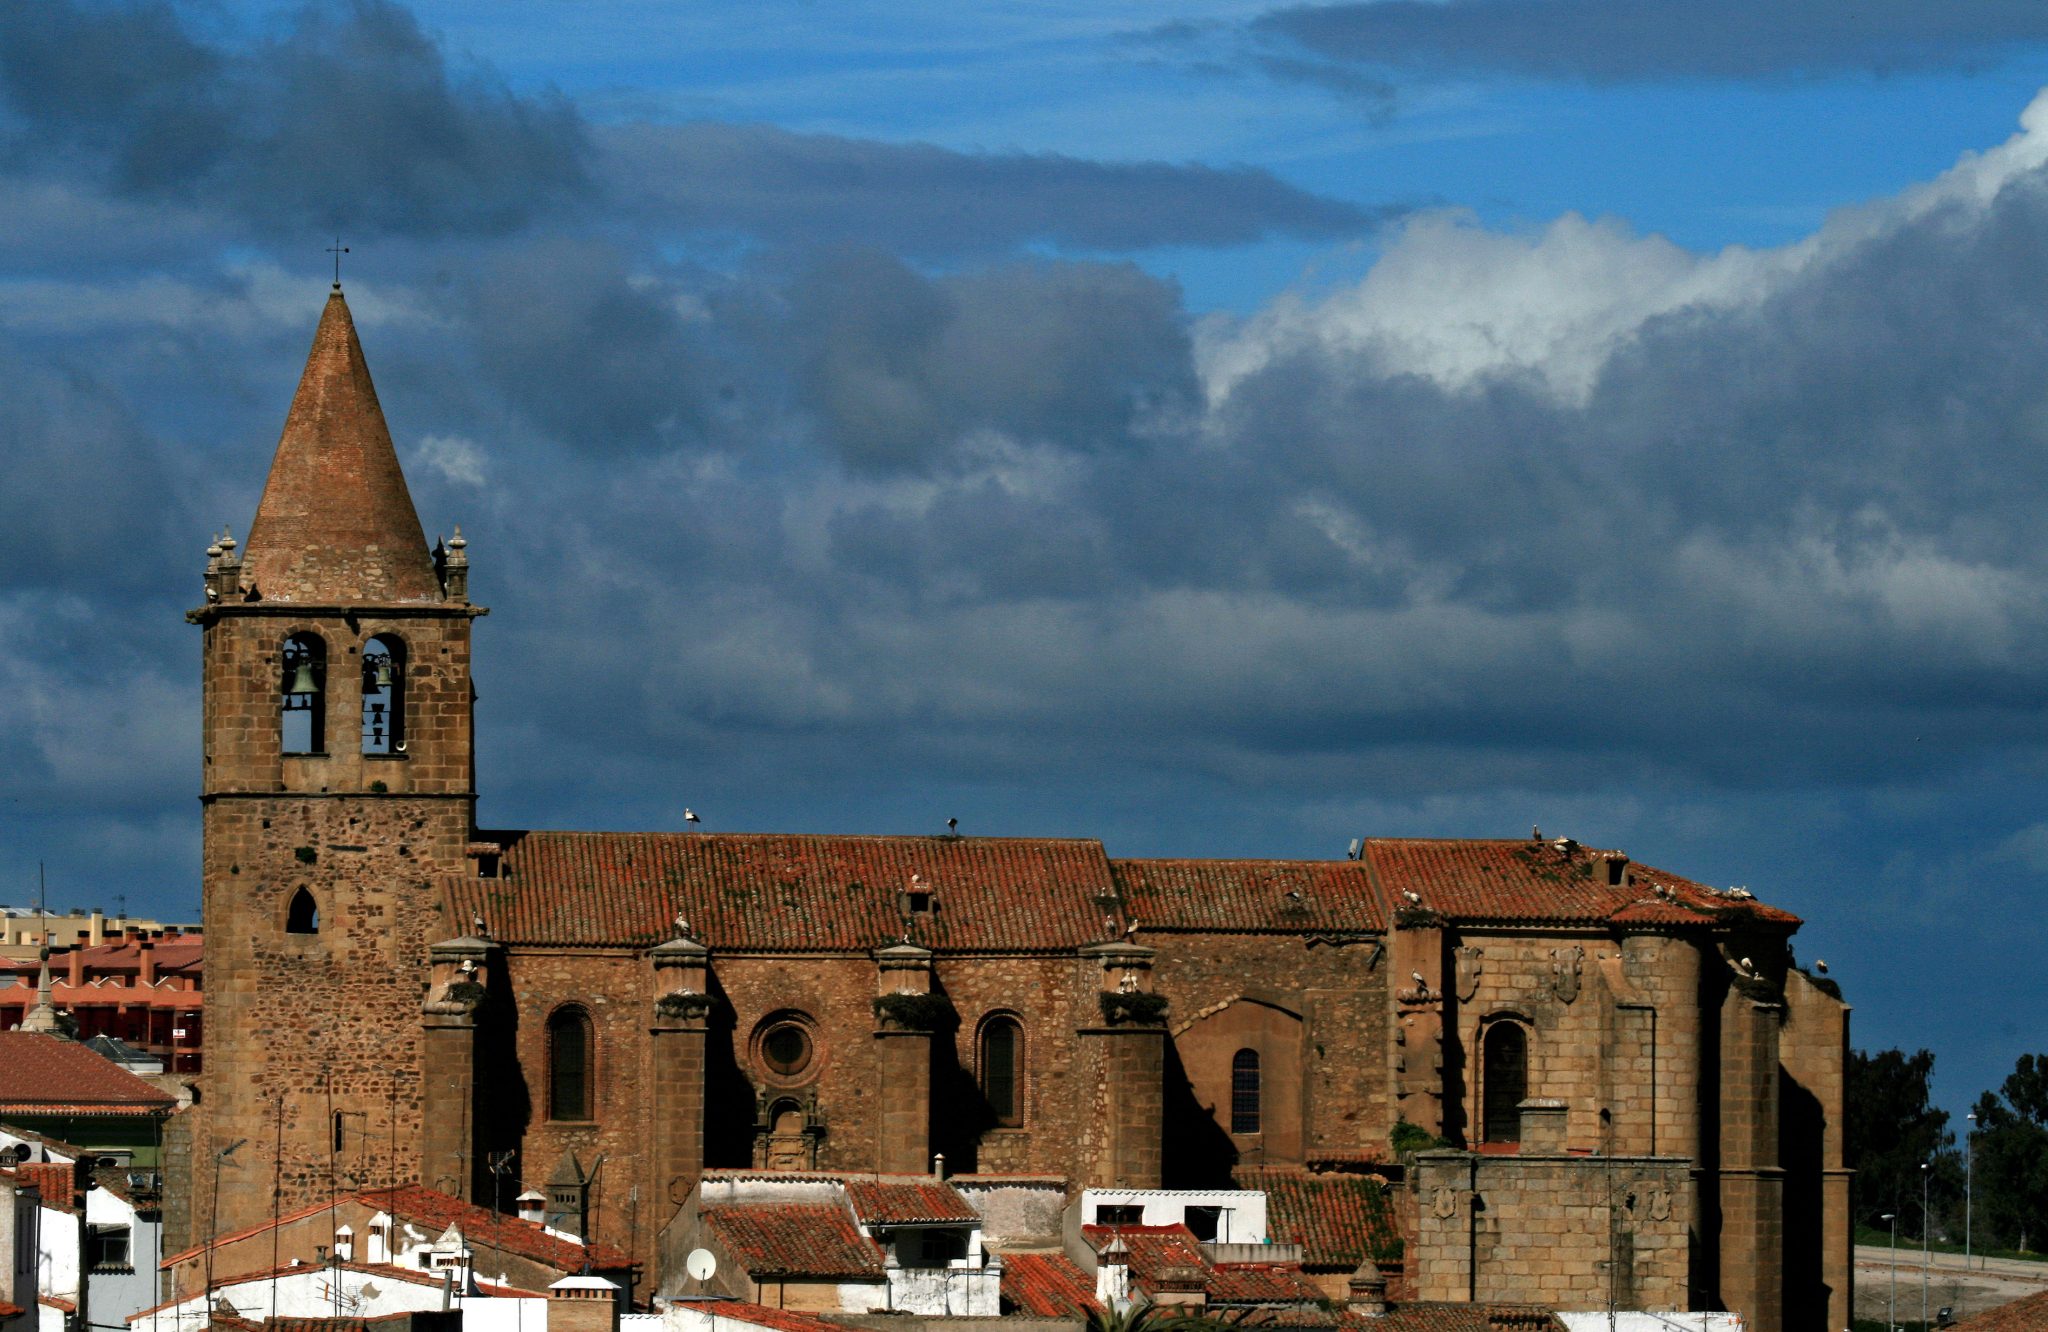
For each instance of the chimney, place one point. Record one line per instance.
(1113, 1273)
(1543, 1122)
(145, 963)
(1368, 1291)
(532, 1205)
(75, 967)
(583, 1304)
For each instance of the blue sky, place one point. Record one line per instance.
(1229, 431)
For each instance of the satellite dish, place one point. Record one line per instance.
(701, 1264)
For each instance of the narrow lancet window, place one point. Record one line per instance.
(1244, 1092)
(303, 916)
(1506, 1072)
(1001, 1041)
(569, 1065)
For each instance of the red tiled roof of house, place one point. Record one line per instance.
(1419, 1317)
(42, 1074)
(336, 524)
(1262, 1283)
(1531, 882)
(11, 1310)
(795, 1240)
(1250, 896)
(436, 1210)
(1157, 1254)
(782, 1320)
(790, 892)
(2023, 1315)
(892, 1203)
(56, 1181)
(1337, 1219)
(176, 954)
(1285, 1316)
(58, 1302)
(1047, 1285)
(482, 1227)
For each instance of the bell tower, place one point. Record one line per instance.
(338, 788)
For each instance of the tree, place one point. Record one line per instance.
(2012, 1155)
(1891, 1132)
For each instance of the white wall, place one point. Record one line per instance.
(1243, 1220)
(309, 1294)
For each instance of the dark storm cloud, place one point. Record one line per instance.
(899, 367)
(1613, 41)
(351, 119)
(760, 181)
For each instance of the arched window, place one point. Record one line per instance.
(1002, 1044)
(303, 690)
(1506, 1085)
(569, 1065)
(1244, 1092)
(303, 916)
(384, 695)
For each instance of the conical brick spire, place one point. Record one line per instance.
(336, 524)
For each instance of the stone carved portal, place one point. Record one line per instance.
(786, 1132)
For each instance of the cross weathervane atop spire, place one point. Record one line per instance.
(337, 250)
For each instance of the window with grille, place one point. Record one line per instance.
(1244, 1092)
(569, 1065)
(1001, 1042)
(1506, 1075)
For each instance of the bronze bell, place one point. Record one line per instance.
(303, 681)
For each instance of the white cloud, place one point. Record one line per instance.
(1458, 304)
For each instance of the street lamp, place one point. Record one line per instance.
(1892, 1323)
(1969, 1183)
(1924, 1172)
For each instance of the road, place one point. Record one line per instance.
(1986, 1283)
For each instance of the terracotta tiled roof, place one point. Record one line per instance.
(790, 892)
(41, 1074)
(11, 1310)
(1534, 882)
(336, 523)
(1262, 1283)
(1284, 1316)
(176, 954)
(1338, 1219)
(56, 1181)
(1047, 1285)
(1157, 1253)
(1250, 896)
(1420, 1317)
(782, 1320)
(434, 1210)
(2026, 1315)
(889, 1203)
(795, 1240)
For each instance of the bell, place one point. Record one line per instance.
(383, 676)
(303, 681)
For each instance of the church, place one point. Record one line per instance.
(1575, 1077)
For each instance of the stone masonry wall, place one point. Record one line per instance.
(331, 1019)
(1566, 1232)
(1346, 1108)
